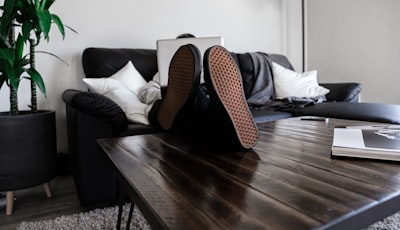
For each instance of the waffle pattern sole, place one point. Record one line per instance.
(182, 73)
(227, 82)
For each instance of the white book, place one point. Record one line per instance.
(375, 142)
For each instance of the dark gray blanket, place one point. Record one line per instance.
(263, 89)
(262, 95)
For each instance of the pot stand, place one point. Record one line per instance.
(10, 198)
(28, 152)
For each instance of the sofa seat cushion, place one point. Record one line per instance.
(375, 112)
(261, 116)
(138, 129)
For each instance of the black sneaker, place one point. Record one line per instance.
(224, 81)
(183, 82)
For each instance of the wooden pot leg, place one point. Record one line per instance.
(9, 202)
(47, 190)
(10, 198)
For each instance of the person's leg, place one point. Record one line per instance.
(183, 84)
(153, 113)
(228, 104)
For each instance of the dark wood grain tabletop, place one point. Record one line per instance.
(287, 181)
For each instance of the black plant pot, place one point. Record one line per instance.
(28, 149)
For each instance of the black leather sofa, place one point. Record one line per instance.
(91, 116)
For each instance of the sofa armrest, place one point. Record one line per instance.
(347, 92)
(96, 105)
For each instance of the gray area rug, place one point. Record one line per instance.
(107, 219)
(93, 220)
(389, 223)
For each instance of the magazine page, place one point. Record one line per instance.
(387, 139)
(348, 138)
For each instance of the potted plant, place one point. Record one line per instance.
(28, 147)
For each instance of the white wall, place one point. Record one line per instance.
(250, 25)
(357, 40)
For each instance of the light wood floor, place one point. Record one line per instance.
(32, 204)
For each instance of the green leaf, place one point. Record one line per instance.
(59, 24)
(7, 54)
(72, 29)
(37, 78)
(44, 19)
(48, 4)
(19, 47)
(22, 3)
(2, 80)
(4, 43)
(51, 54)
(9, 5)
(14, 80)
(27, 27)
(43, 4)
(25, 61)
(6, 19)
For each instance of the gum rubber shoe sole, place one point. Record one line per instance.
(227, 82)
(184, 70)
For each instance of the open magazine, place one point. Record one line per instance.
(375, 142)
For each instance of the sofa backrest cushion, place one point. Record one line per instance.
(103, 62)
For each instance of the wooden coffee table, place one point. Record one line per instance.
(288, 181)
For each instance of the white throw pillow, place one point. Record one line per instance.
(288, 83)
(115, 88)
(129, 77)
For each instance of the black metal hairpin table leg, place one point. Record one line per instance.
(121, 197)
(128, 224)
(121, 200)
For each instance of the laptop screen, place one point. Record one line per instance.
(166, 48)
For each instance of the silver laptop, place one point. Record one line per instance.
(166, 48)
